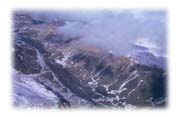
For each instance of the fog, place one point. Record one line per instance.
(114, 30)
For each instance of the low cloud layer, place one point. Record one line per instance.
(114, 30)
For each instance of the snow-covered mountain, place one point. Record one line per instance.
(80, 60)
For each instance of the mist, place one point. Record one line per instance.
(116, 31)
(113, 30)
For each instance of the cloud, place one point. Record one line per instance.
(114, 31)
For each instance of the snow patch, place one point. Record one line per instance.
(63, 61)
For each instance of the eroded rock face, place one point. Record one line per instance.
(69, 73)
